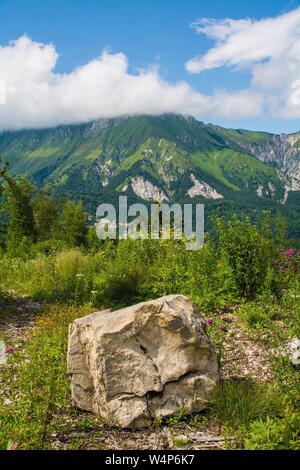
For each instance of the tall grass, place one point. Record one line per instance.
(239, 402)
(135, 270)
(76, 281)
(130, 271)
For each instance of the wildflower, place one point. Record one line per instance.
(224, 328)
(283, 290)
(290, 252)
(79, 275)
(9, 350)
(93, 292)
(210, 321)
(227, 319)
(12, 446)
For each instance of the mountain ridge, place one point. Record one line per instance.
(171, 158)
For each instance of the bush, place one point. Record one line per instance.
(275, 433)
(247, 250)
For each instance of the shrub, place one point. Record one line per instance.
(74, 230)
(247, 250)
(275, 433)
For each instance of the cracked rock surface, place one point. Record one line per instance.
(153, 358)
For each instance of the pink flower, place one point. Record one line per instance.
(13, 446)
(9, 350)
(210, 321)
(227, 319)
(224, 328)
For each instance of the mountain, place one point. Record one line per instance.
(167, 158)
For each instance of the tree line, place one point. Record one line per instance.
(30, 215)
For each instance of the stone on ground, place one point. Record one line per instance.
(151, 359)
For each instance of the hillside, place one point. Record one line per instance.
(167, 158)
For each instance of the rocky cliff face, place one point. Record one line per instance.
(282, 150)
(201, 188)
(146, 190)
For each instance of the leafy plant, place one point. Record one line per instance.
(246, 248)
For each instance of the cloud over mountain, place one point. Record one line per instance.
(37, 96)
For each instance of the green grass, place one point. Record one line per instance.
(238, 403)
(209, 164)
(74, 282)
(37, 380)
(261, 416)
(297, 144)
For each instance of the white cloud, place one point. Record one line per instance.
(245, 103)
(37, 96)
(269, 48)
(243, 41)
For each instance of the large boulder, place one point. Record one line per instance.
(150, 359)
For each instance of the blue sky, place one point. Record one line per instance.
(154, 36)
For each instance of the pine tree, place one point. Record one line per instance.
(74, 230)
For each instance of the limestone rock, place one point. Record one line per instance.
(146, 190)
(201, 188)
(290, 350)
(153, 358)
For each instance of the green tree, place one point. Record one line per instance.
(73, 226)
(93, 242)
(19, 192)
(46, 213)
